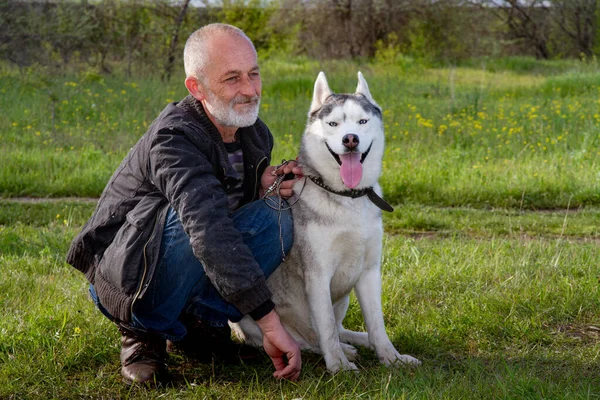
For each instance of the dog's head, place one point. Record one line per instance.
(344, 139)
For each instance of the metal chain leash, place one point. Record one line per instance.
(269, 200)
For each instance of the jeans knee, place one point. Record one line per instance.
(280, 212)
(267, 229)
(278, 218)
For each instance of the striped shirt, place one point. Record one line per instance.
(236, 159)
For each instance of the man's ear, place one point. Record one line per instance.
(195, 89)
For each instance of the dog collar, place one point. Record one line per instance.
(353, 193)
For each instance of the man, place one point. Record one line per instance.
(179, 242)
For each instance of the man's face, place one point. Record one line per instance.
(232, 83)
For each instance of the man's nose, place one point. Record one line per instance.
(249, 86)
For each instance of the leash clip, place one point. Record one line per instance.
(284, 162)
(273, 186)
(278, 180)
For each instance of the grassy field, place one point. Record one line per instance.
(491, 263)
(455, 137)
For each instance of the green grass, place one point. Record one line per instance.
(490, 265)
(515, 136)
(497, 304)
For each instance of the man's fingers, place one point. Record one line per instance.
(286, 193)
(286, 189)
(295, 360)
(278, 363)
(287, 185)
(291, 166)
(294, 169)
(288, 372)
(294, 377)
(293, 368)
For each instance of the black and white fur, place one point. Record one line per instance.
(337, 239)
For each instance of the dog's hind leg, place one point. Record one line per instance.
(247, 331)
(355, 338)
(348, 338)
(349, 351)
(339, 310)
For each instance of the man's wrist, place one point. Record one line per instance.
(262, 310)
(269, 323)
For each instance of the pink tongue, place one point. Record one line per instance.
(351, 169)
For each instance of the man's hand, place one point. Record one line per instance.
(278, 343)
(271, 173)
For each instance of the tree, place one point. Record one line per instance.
(578, 20)
(526, 20)
(345, 28)
(174, 40)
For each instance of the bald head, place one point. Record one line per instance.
(202, 45)
(222, 73)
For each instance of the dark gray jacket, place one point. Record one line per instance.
(180, 161)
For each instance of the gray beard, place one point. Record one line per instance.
(227, 116)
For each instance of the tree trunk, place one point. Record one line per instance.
(173, 45)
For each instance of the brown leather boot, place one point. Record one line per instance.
(142, 357)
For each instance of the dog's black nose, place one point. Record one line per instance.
(350, 141)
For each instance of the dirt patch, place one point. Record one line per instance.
(588, 333)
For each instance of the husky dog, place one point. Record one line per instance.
(337, 233)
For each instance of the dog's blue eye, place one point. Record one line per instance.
(363, 121)
(332, 123)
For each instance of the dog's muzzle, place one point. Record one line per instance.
(351, 161)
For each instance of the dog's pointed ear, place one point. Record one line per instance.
(320, 93)
(363, 89)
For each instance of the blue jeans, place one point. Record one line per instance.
(180, 284)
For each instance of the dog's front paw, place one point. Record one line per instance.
(339, 367)
(340, 364)
(408, 360)
(394, 358)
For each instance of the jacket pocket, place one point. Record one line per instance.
(124, 264)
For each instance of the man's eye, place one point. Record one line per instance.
(363, 121)
(232, 79)
(332, 123)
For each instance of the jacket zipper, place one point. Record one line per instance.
(145, 265)
(256, 180)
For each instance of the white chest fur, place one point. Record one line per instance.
(345, 246)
